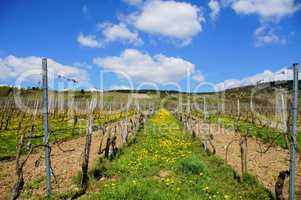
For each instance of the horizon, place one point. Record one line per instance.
(271, 84)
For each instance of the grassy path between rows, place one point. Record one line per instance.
(164, 162)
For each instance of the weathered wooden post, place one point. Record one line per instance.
(243, 152)
(85, 164)
(102, 132)
(280, 184)
(86, 155)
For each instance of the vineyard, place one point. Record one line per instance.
(150, 100)
(145, 145)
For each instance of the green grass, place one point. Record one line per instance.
(191, 174)
(10, 137)
(265, 134)
(62, 131)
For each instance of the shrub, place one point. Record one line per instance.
(191, 165)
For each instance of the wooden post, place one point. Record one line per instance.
(85, 164)
(18, 186)
(280, 184)
(243, 151)
(103, 132)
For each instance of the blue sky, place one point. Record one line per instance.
(223, 42)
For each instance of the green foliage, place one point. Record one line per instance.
(60, 130)
(6, 91)
(249, 179)
(77, 178)
(191, 165)
(189, 172)
(266, 134)
(132, 189)
(35, 184)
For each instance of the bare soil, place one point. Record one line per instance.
(66, 164)
(265, 166)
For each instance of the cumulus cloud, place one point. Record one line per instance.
(82, 65)
(227, 84)
(110, 33)
(215, 8)
(264, 77)
(119, 32)
(12, 67)
(144, 67)
(198, 76)
(270, 12)
(266, 9)
(266, 35)
(89, 41)
(176, 20)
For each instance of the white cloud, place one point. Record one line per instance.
(266, 9)
(110, 33)
(264, 77)
(231, 83)
(177, 20)
(143, 67)
(215, 7)
(198, 76)
(133, 2)
(11, 67)
(266, 35)
(119, 32)
(89, 41)
(82, 65)
(269, 12)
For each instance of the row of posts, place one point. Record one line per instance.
(293, 144)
